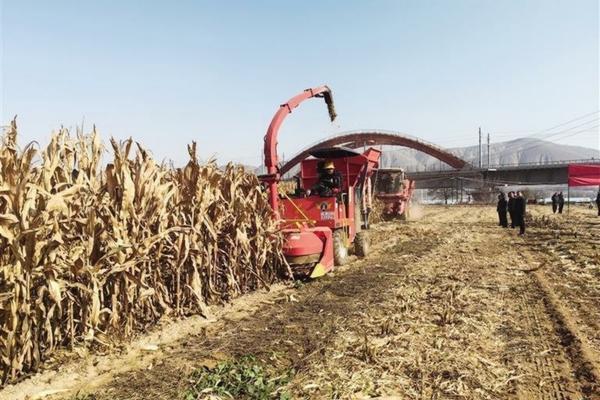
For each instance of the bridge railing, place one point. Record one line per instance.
(444, 167)
(554, 162)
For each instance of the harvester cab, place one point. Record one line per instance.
(394, 191)
(321, 221)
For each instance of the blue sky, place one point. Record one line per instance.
(168, 73)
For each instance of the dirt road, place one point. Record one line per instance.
(447, 306)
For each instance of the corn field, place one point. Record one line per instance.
(92, 251)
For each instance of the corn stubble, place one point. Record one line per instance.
(91, 253)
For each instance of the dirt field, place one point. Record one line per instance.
(447, 306)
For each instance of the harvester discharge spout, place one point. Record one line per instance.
(270, 148)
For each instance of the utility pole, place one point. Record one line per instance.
(457, 189)
(479, 147)
(488, 150)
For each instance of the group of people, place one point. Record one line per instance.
(515, 207)
(558, 202)
(516, 204)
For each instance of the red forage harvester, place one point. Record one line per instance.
(395, 192)
(320, 231)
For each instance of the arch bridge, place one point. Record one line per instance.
(463, 173)
(356, 139)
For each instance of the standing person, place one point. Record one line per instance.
(520, 207)
(502, 208)
(511, 208)
(561, 202)
(598, 201)
(554, 202)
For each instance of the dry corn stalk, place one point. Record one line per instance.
(376, 215)
(287, 187)
(86, 253)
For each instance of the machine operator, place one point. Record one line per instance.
(330, 181)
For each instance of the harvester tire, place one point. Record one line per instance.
(340, 251)
(362, 244)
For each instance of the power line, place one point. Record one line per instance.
(464, 135)
(551, 134)
(546, 133)
(570, 134)
(543, 131)
(566, 123)
(562, 137)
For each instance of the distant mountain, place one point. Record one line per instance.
(524, 150)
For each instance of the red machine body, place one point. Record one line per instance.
(318, 229)
(395, 192)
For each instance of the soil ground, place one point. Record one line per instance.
(447, 306)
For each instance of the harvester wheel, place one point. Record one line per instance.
(361, 244)
(340, 251)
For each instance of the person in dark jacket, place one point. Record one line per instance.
(520, 207)
(561, 202)
(554, 202)
(511, 208)
(502, 208)
(330, 181)
(598, 201)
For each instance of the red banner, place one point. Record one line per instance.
(584, 175)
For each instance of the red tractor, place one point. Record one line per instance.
(320, 227)
(395, 191)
